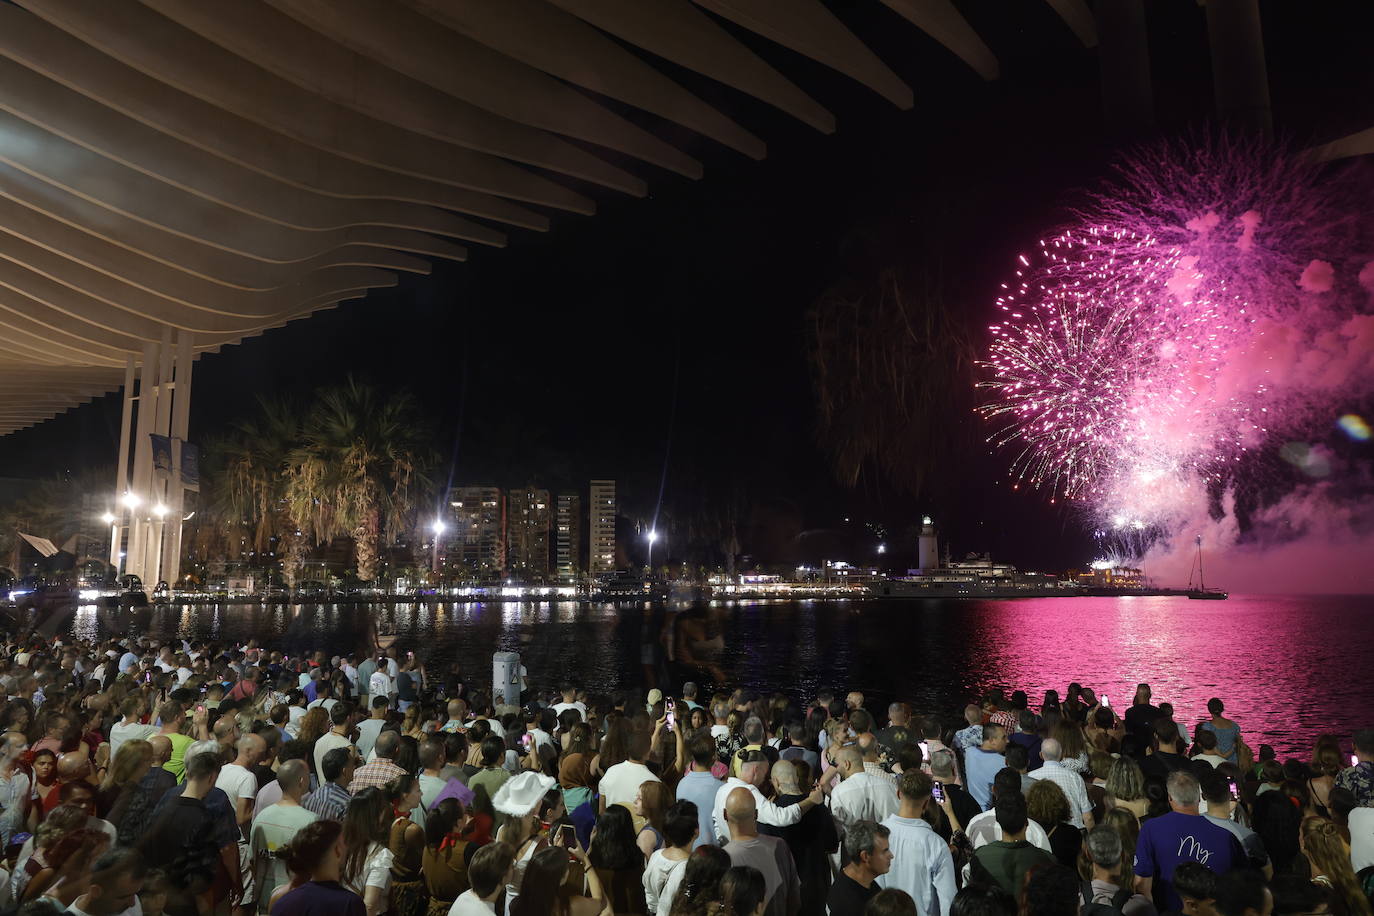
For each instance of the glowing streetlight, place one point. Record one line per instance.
(108, 518)
(131, 500)
(882, 548)
(160, 510)
(652, 536)
(438, 528)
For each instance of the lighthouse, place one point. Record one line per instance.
(928, 546)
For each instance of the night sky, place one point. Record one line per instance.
(676, 320)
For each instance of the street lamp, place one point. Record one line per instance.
(651, 537)
(438, 529)
(882, 548)
(131, 500)
(108, 518)
(160, 510)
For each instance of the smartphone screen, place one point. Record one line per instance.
(1354, 761)
(671, 716)
(937, 792)
(1106, 702)
(525, 741)
(1235, 792)
(569, 834)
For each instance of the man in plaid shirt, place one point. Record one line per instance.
(331, 798)
(380, 771)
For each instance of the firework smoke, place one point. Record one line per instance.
(1210, 309)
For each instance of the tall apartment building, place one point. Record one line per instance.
(601, 527)
(567, 533)
(477, 546)
(528, 514)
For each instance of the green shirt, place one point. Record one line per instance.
(176, 764)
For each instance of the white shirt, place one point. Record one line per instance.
(469, 904)
(621, 782)
(768, 812)
(368, 730)
(581, 709)
(1213, 759)
(1361, 823)
(328, 704)
(656, 873)
(1074, 788)
(236, 782)
(921, 865)
(380, 685)
(119, 733)
(326, 743)
(862, 797)
(984, 829)
(376, 871)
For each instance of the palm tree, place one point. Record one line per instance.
(247, 477)
(360, 469)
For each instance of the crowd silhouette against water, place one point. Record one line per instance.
(140, 778)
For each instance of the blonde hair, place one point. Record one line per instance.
(130, 762)
(1329, 854)
(1125, 780)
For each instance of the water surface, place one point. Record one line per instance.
(1288, 668)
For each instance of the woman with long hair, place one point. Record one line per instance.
(1074, 745)
(1326, 763)
(1126, 787)
(1329, 856)
(1127, 827)
(1048, 806)
(615, 746)
(315, 724)
(695, 890)
(123, 798)
(544, 893)
(742, 891)
(448, 852)
(533, 807)
(366, 865)
(314, 857)
(618, 861)
(651, 801)
(406, 842)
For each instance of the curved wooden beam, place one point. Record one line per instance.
(809, 28)
(181, 253)
(62, 58)
(675, 30)
(941, 21)
(148, 41)
(560, 44)
(457, 66)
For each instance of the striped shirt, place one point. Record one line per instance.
(328, 801)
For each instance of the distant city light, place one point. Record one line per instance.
(108, 518)
(438, 526)
(131, 500)
(159, 510)
(652, 536)
(882, 548)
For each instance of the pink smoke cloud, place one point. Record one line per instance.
(1317, 277)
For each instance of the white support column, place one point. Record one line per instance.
(181, 413)
(162, 426)
(120, 510)
(141, 484)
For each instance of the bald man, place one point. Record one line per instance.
(769, 854)
(863, 795)
(753, 772)
(237, 781)
(274, 827)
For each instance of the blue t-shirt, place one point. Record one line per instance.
(980, 767)
(1173, 838)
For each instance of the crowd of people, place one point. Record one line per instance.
(140, 779)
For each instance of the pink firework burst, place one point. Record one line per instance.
(1102, 366)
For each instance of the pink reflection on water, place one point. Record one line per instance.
(1287, 668)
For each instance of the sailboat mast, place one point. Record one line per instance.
(1201, 583)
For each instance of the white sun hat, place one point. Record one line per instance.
(522, 793)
